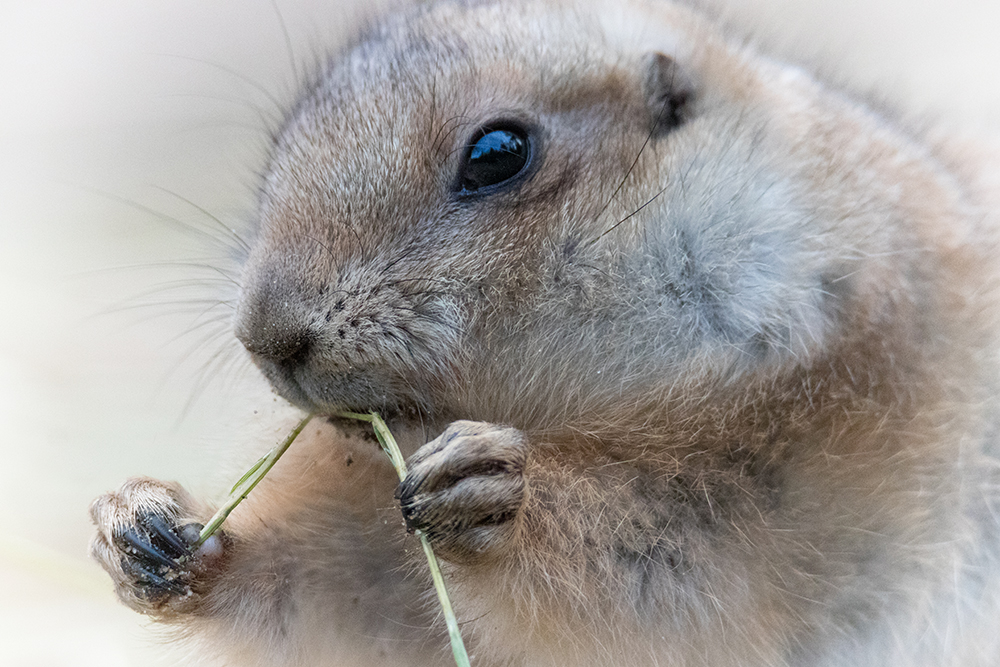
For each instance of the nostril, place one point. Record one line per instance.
(276, 344)
(272, 318)
(279, 348)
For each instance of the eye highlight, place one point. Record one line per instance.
(496, 155)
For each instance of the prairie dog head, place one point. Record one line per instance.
(481, 206)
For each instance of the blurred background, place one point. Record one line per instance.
(130, 137)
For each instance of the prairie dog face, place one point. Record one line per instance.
(482, 206)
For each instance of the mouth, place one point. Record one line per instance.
(353, 391)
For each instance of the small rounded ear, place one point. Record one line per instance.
(668, 91)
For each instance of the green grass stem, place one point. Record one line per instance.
(256, 473)
(249, 480)
(391, 449)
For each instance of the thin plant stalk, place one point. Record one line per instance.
(249, 480)
(256, 473)
(390, 447)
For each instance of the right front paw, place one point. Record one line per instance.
(145, 542)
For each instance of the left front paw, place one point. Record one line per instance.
(465, 489)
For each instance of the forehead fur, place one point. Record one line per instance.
(526, 53)
(415, 88)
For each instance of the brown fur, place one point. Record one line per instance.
(731, 370)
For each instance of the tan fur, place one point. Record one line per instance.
(732, 385)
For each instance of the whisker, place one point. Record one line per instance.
(226, 229)
(649, 137)
(165, 308)
(204, 378)
(278, 106)
(266, 121)
(399, 257)
(177, 223)
(629, 216)
(292, 60)
(323, 246)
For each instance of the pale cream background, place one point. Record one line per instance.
(103, 103)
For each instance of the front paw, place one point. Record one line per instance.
(145, 542)
(465, 490)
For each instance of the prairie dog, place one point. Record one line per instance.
(694, 358)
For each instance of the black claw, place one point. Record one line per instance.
(158, 527)
(155, 585)
(408, 487)
(410, 516)
(435, 480)
(140, 546)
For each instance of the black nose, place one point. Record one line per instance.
(278, 344)
(273, 326)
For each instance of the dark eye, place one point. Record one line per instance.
(496, 155)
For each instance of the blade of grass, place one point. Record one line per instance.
(256, 473)
(454, 635)
(390, 447)
(247, 482)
